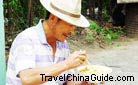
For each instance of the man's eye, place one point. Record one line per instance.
(59, 19)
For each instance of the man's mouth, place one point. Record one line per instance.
(66, 35)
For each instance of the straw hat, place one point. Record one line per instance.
(67, 10)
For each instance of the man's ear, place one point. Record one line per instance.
(53, 19)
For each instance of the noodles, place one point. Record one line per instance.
(95, 70)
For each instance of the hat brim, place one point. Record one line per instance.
(80, 22)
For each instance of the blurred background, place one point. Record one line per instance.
(110, 20)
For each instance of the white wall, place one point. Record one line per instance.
(2, 46)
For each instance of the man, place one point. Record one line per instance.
(43, 49)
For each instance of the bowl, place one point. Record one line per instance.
(93, 73)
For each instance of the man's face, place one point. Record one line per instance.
(62, 30)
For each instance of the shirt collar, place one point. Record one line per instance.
(41, 33)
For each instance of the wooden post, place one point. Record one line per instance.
(29, 15)
(2, 47)
(100, 11)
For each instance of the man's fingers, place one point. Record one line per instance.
(82, 57)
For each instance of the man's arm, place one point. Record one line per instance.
(33, 77)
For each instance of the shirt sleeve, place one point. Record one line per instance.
(23, 51)
(65, 74)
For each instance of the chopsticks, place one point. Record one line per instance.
(87, 62)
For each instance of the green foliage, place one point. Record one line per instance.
(119, 44)
(16, 16)
(94, 26)
(89, 38)
(18, 12)
(108, 33)
(106, 16)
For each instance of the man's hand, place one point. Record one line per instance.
(76, 59)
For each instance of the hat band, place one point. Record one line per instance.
(64, 12)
